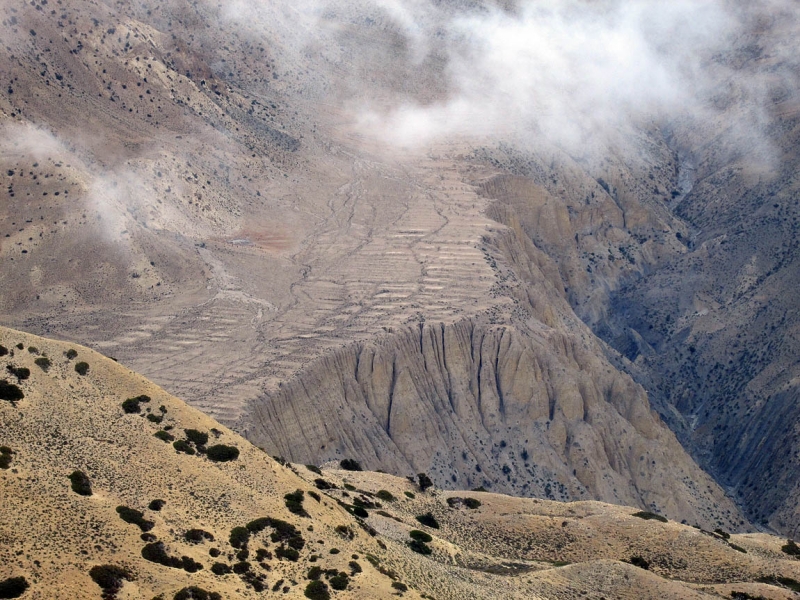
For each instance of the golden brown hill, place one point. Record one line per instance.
(152, 500)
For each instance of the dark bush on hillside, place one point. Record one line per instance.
(350, 464)
(13, 587)
(323, 485)
(109, 578)
(315, 495)
(428, 520)
(288, 553)
(10, 392)
(400, 586)
(745, 596)
(156, 505)
(788, 582)
(355, 567)
(20, 346)
(164, 436)
(294, 503)
(472, 503)
(424, 481)
(222, 453)
(314, 469)
(317, 590)
(220, 569)
(43, 363)
(385, 495)
(198, 536)
(6, 456)
(241, 567)
(80, 483)
(638, 561)
(791, 548)
(410, 495)
(134, 517)
(239, 537)
(71, 353)
(340, 581)
(419, 547)
(358, 511)
(649, 516)
(82, 368)
(195, 593)
(157, 553)
(198, 438)
(21, 373)
(155, 418)
(131, 405)
(416, 534)
(33, 350)
(3, 350)
(183, 446)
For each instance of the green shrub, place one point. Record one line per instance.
(3, 350)
(788, 582)
(156, 505)
(109, 578)
(154, 418)
(317, 590)
(314, 573)
(647, 516)
(198, 438)
(241, 567)
(131, 405)
(219, 568)
(340, 581)
(359, 511)
(198, 536)
(80, 483)
(6, 456)
(294, 503)
(350, 464)
(424, 481)
(428, 520)
(13, 587)
(737, 548)
(43, 363)
(82, 368)
(195, 593)
(33, 350)
(334, 551)
(355, 567)
(222, 453)
(157, 553)
(288, 553)
(410, 494)
(723, 534)
(400, 586)
(385, 495)
(20, 346)
(638, 561)
(134, 517)
(323, 485)
(21, 373)
(416, 534)
(71, 353)
(183, 446)
(315, 495)
(472, 503)
(164, 436)
(314, 469)
(239, 537)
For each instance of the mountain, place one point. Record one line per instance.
(341, 230)
(97, 503)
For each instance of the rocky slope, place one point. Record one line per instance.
(154, 521)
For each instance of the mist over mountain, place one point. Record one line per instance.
(548, 248)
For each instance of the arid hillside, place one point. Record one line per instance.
(298, 217)
(113, 488)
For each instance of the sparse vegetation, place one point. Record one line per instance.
(71, 354)
(198, 536)
(3, 350)
(638, 561)
(183, 446)
(43, 363)
(198, 438)
(157, 553)
(163, 435)
(416, 534)
(314, 469)
(400, 586)
(21, 373)
(350, 464)
(428, 520)
(650, 516)
(222, 453)
(323, 485)
(156, 505)
(385, 496)
(791, 548)
(13, 587)
(786, 582)
(82, 368)
(340, 581)
(80, 483)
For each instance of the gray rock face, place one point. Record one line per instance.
(531, 413)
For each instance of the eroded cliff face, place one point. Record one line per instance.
(524, 411)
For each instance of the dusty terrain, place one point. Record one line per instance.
(186, 191)
(500, 547)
